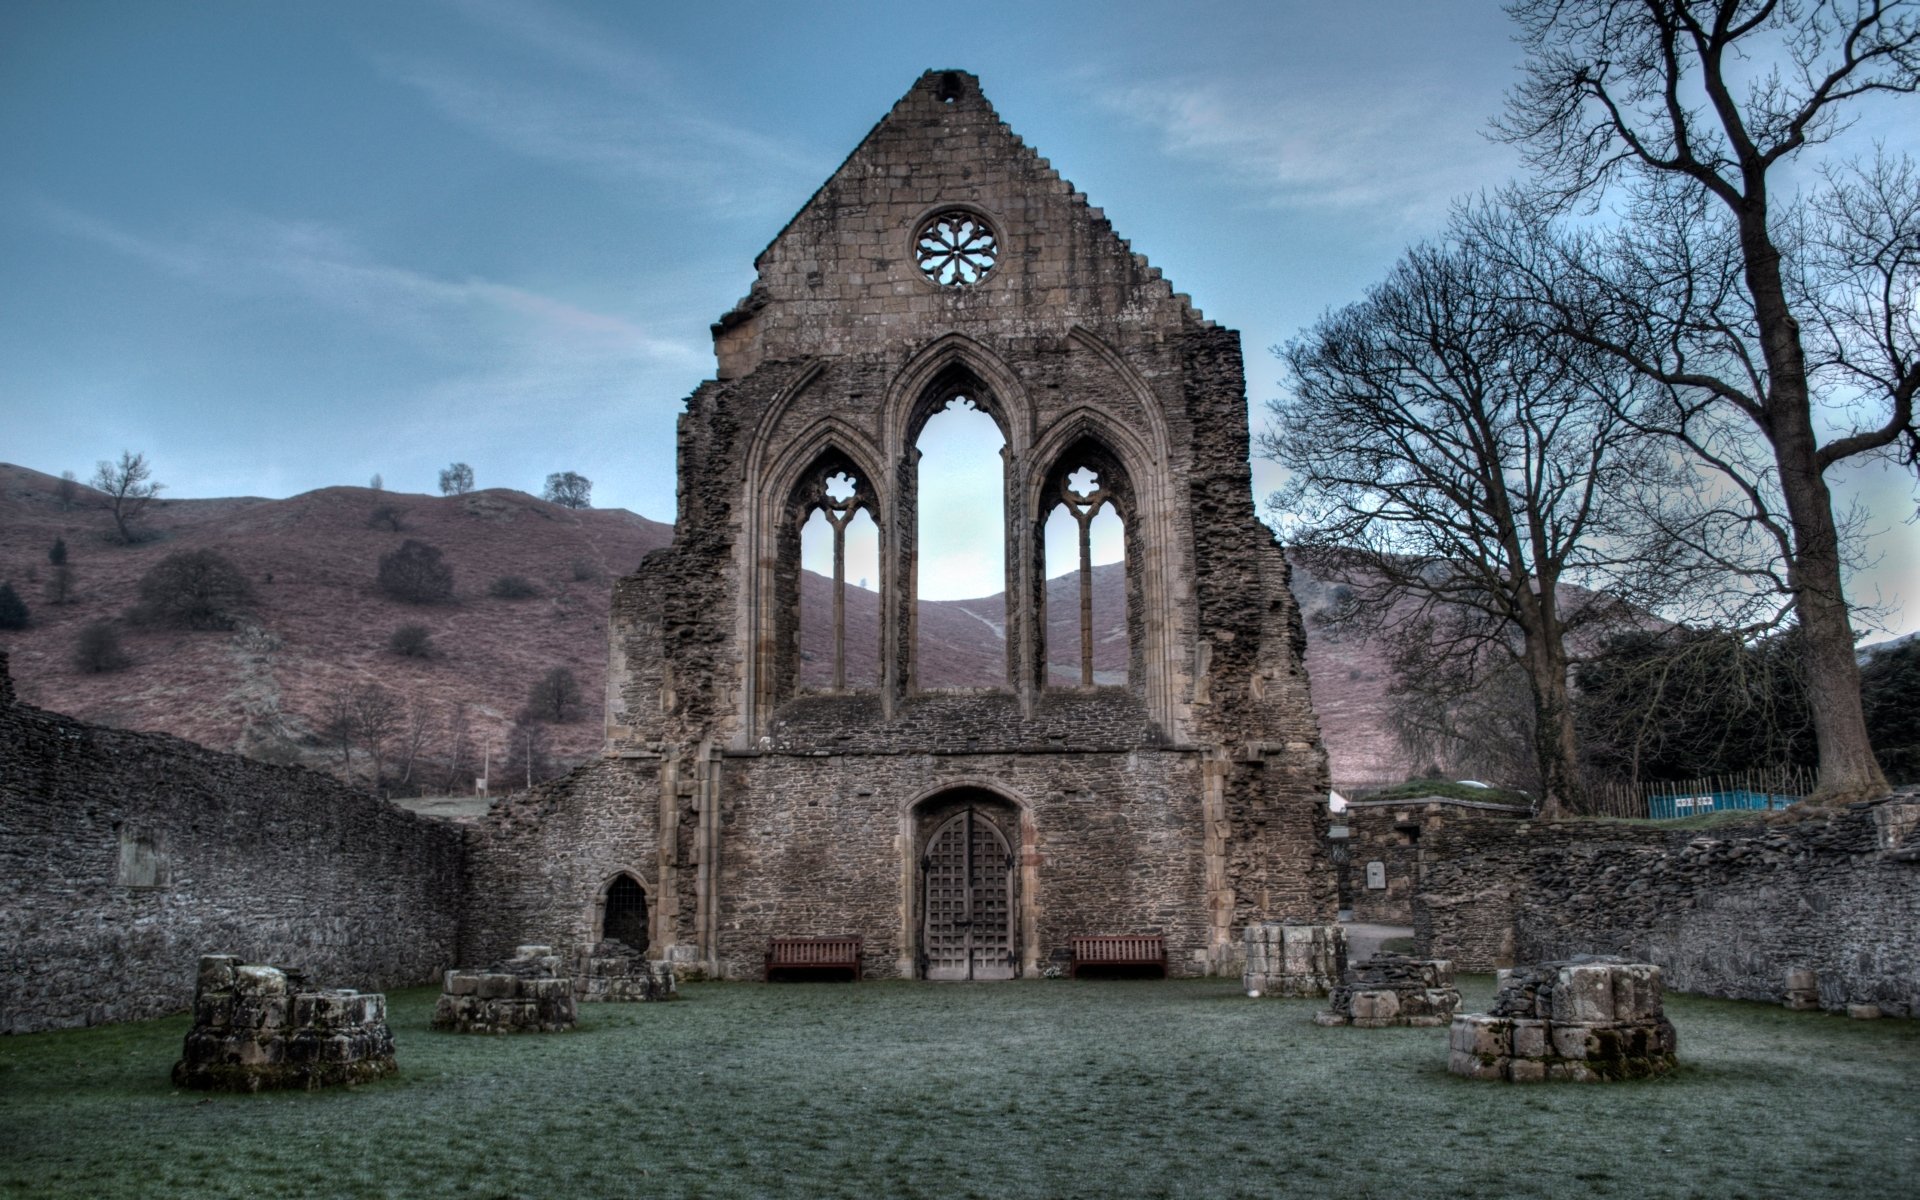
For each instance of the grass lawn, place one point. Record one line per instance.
(1044, 1088)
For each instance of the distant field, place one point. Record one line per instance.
(1046, 1089)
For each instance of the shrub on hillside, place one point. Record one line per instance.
(512, 587)
(412, 641)
(555, 698)
(192, 589)
(386, 516)
(584, 571)
(97, 649)
(13, 610)
(416, 574)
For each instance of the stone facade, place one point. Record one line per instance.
(125, 857)
(257, 1028)
(1392, 989)
(1184, 802)
(1288, 960)
(1585, 1021)
(614, 971)
(1822, 907)
(524, 994)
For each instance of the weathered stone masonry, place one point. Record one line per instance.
(124, 857)
(1730, 911)
(1185, 802)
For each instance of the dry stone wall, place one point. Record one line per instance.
(1741, 911)
(124, 857)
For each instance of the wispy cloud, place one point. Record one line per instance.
(591, 99)
(248, 254)
(1400, 156)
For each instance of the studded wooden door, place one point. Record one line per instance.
(968, 872)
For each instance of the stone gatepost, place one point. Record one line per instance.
(525, 994)
(255, 1028)
(1587, 1019)
(1285, 959)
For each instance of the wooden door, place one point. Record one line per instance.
(968, 896)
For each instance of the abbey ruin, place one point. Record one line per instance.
(959, 834)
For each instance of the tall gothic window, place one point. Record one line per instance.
(839, 600)
(960, 572)
(1087, 637)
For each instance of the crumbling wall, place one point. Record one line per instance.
(1725, 911)
(540, 863)
(125, 857)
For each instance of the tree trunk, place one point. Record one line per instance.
(1556, 747)
(1848, 771)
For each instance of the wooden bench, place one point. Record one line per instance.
(814, 954)
(1125, 950)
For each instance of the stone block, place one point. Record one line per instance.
(1529, 1038)
(1583, 994)
(1382, 1005)
(1485, 1037)
(1863, 1012)
(462, 984)
(1570, 1041)
(1636, 992)
(496, 986)
(1472, 1066)
(1526, 1070)
(252, 980)
(215, 973)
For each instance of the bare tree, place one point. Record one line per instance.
(459, 732)
(376, 719)
(1454, 470)
(126, 488)
(1735, 278)
(456, 480)
(416, 726)
(336, 726)
(556, 697)
(568, 490)
(66, 490)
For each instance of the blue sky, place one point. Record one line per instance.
(279, 246)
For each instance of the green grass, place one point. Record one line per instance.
(1100, 1089)
(1415, 789)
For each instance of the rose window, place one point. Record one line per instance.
(955, 248)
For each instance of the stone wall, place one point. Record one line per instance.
(1389, 833)
(1725, 911)
(125, 857)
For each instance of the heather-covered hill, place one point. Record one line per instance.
(318, 621)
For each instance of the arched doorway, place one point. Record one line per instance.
(623, 914)
(967, 911)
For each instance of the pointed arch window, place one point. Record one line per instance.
(839, 545)
(1090, 595)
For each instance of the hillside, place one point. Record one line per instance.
(318, 623)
